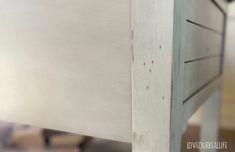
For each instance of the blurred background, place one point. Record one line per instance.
(23, 138)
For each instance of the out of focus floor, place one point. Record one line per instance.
(30, 140)
(225, 135)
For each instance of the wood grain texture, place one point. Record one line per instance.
(152, 65)
(66, 65)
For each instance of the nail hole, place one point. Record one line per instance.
(160, 47)
(150, 70)
(152, 62)
(144, 63)
(147, 87)
(163, 97)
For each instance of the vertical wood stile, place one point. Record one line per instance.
(152, 27)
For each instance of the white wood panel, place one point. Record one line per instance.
(66, 65)
(198, 73)
(201, 43)
(204, 12)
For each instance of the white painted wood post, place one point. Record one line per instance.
(210, 120)
(152, 39)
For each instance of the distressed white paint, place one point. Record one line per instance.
(152, 65)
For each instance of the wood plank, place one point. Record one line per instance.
(205, 13)
(201, 43)
(152, 49)
(199, 73)
(66, 65)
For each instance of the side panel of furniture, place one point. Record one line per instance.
(197, 58)
(201, 48)
(66, 65)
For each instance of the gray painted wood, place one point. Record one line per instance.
(177, 78)
(199, 73)
(191, 106)
(205, 13)
(201, 43)
(198, 42)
